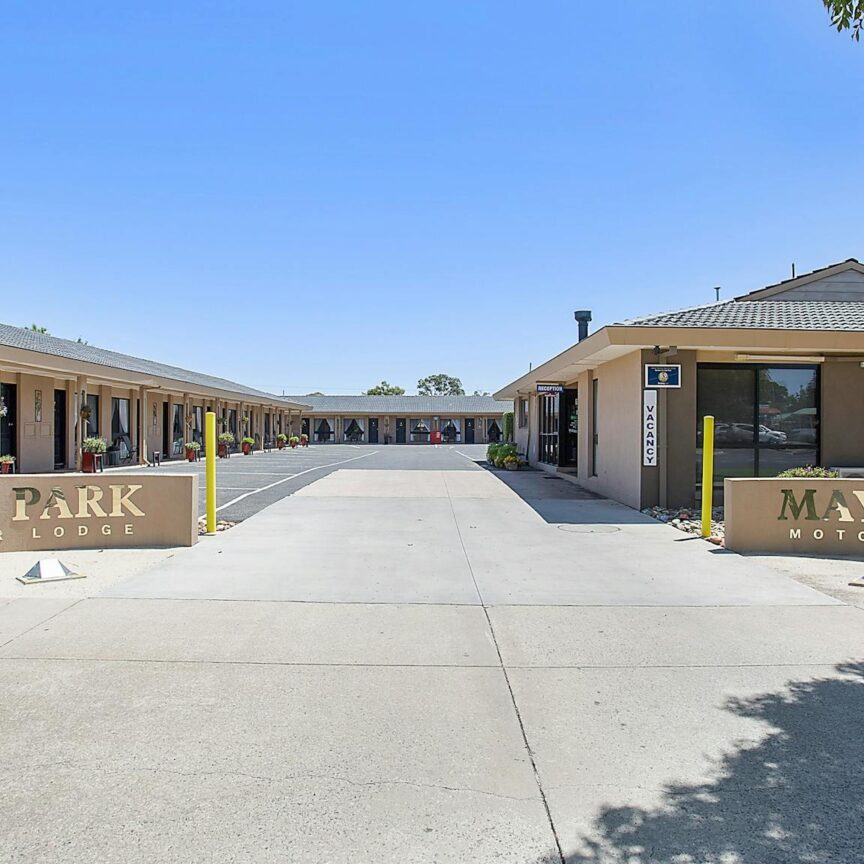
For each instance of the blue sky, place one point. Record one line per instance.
(317, 196)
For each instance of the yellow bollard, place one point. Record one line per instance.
(210, 444)
(707, 473)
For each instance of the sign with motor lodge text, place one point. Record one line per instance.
(42, 512)
(794, 516)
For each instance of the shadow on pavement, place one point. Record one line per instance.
(562, 502)
(798, 796)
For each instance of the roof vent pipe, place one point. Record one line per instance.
(582, 316)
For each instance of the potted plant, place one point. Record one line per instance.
(6, 463)
(226, 439)
(192, 448)
(247, 443)
(293, 441)
(304, 440)
(511, 463)
(89, 448)
(281, 438)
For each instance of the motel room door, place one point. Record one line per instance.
(373, 430)
(469, 430)
(401, 426)
(568, 429)
(59, 428)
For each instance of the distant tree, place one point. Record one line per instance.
(440, 385)
(36, 329)
(81, 341)
(481, 393)
(385, 389)
(316, 393)
(846, 15)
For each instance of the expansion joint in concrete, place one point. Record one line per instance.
(558, 847)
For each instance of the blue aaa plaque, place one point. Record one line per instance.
(662, 376)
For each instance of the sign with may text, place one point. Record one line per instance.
(40, 512)
(794, 516)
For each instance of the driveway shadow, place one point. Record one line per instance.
(796, 797)
(559, 501)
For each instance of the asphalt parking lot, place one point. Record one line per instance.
(245, 485)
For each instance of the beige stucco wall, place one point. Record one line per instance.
(619, 447)
(842, 414)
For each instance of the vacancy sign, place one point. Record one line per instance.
(649, 428)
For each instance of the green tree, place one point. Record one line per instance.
(385, 389)
(846, 15)
(440, 385)
(481, 393)
(36, 329)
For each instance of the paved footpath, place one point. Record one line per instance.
(414, 659)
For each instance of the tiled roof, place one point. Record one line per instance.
(410, 406)
(29, 340)
(762, 314)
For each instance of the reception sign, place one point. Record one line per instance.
(795, 516)
(42, 512)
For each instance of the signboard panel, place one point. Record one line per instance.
(649, 428)
(43, 512)
(658, 375)
(791, 516)
(550, 388)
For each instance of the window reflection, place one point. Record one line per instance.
(765, 418)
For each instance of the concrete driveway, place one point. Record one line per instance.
(414, 659)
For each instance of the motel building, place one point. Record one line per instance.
(55, 392)
(403, 419)
(781, 369)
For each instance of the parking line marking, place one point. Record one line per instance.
(285, 479)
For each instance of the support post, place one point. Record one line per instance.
(707, 473)
(210, 444)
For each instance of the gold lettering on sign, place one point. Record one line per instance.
(83, 530)
(56, 499)
(88, 499)
(21, 502)
(838, 504)
(807, 502)
(106, 530)
(860, 496)
(119, 500)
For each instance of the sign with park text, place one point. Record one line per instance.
(46, 512)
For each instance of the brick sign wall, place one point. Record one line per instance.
(44, 512)
(795, 516)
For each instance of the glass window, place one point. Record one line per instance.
(523, 413)
(119, 418)
(177, 431)
(323, 430)
(91, 424)
(548, 405)
(353, 430)
(198, 424)
(450, 431)
(765, 418)
(419, 429)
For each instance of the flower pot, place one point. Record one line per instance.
(6, 467)
(88, 463)
(223, 451)
(247, 449)
(293, 444)
(280, 445)
(190, 455)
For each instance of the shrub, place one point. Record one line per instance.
(226, 437)
(248, 440)
(282, 437)
(192, 445)
(508, 425)
(492, 453)
(5, 457)
(809, 472)
(293, 440)
(94, 445)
